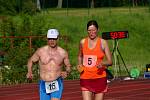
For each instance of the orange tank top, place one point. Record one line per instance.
(91, 59)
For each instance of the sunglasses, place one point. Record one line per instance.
(52, 38)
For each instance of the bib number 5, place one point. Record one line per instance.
(89, 60)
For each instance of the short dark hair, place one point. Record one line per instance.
(92, 22)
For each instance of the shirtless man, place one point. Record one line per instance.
(51, 59)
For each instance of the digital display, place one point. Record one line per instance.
(115, 35)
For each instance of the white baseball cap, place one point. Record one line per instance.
(52, 33)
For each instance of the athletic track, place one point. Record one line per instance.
(118, 90)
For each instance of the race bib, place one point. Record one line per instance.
(89, 60)
(51, 86)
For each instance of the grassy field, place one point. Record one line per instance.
(71, 23)
(135, 49)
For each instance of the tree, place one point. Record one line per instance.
(134, 3)
(59, 5)
(14, 7)
(92, 3)
(38, 4)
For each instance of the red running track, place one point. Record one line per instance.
(118, 90)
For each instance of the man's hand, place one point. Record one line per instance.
(80, 68)
(64, 74)
(29, 75)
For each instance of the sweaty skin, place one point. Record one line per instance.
(51, 59)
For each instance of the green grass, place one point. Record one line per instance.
(71, 23)
(135, 49)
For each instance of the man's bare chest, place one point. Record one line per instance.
(47, 58)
